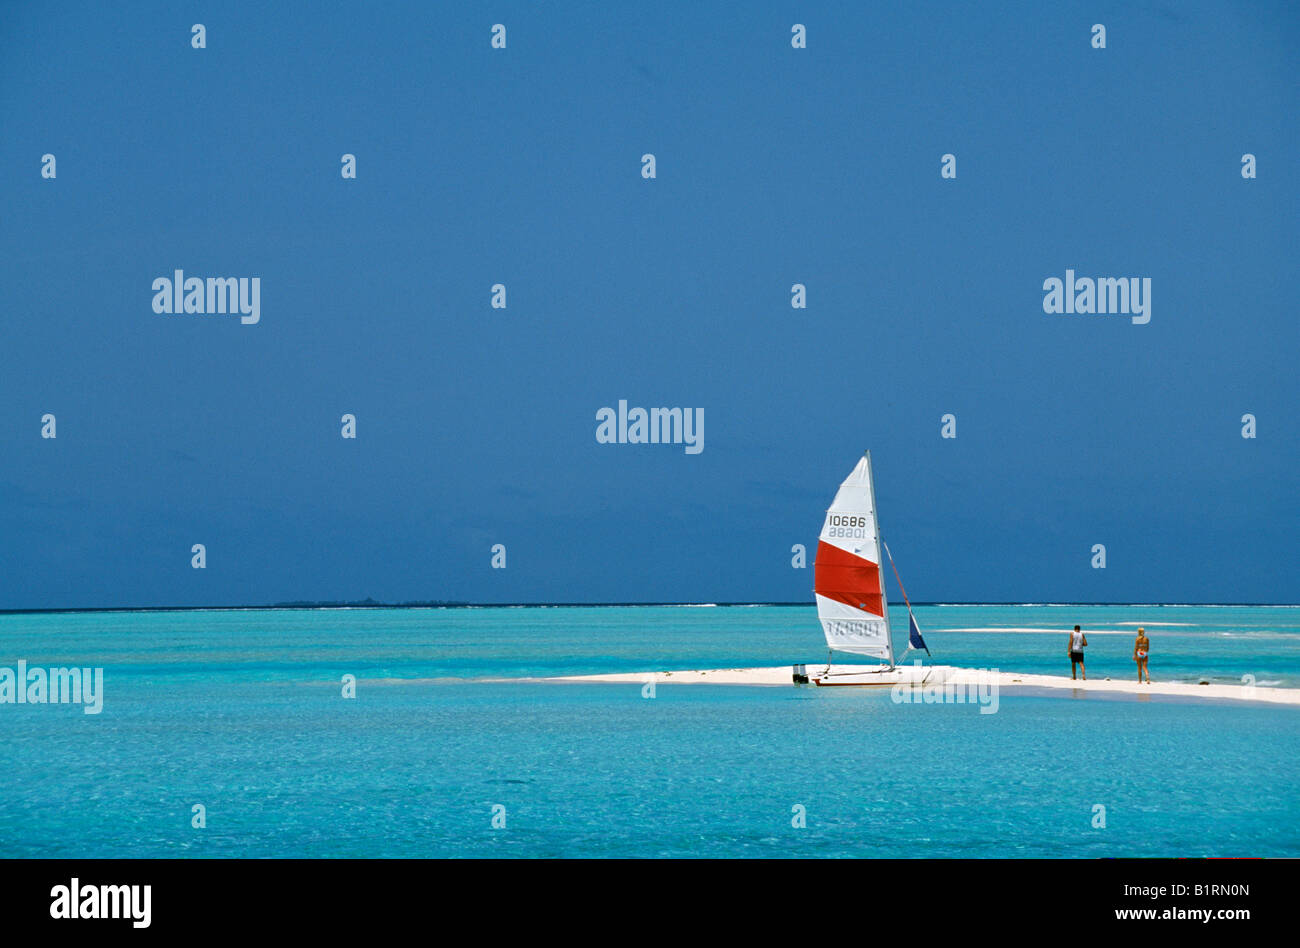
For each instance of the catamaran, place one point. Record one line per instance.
(849, 582)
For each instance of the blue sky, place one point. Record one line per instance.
(522, 166)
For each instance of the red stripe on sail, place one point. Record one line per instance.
(847, 578)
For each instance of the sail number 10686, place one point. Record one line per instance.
(844, 525)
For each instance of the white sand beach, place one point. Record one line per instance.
(948, 674)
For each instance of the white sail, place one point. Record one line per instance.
(848, 578)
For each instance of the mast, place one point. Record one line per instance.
(880, 565)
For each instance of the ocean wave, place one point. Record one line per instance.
(1031, 630)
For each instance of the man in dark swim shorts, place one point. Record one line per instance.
(1078, 642)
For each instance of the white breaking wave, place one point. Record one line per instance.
(1031, 630)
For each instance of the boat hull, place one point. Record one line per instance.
(883, 676)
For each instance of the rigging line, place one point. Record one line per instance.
(896, 576)
(911, 618)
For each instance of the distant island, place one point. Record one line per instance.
(366, 603)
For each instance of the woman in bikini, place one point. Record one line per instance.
(1140, 649)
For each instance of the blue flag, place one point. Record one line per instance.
(914, 634)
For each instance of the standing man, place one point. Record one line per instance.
(1078, 642)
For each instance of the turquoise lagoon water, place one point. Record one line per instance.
(241, 711)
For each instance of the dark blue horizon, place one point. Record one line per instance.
(522, 166)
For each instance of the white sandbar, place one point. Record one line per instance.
(782, 675)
